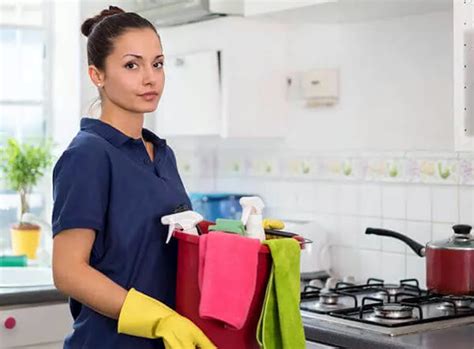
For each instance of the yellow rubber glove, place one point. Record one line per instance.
(143, 316)
(276, 224)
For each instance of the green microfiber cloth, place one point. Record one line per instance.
(228, 226)
(280, 325)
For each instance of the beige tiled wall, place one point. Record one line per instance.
(419, 203)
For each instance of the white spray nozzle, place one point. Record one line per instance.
(185, 220)
(250, 205)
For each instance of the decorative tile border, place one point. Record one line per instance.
(297, 166)
(448, 168)
(466, 168)
(196, 163)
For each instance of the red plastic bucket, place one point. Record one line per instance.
(188, 294)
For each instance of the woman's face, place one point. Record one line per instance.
(135, 67)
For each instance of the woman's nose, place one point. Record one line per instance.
(149, 76)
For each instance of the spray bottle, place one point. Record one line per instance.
(252, 207)
(185, 221)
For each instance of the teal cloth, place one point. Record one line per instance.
(228, 226)
(13, 261)
(280, 325)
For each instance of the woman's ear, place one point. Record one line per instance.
(96, 76)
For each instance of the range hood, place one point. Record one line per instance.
(165, 13)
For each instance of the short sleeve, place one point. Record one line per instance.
(81, 179)
(173, 157)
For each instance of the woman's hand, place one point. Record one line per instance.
(144, 316)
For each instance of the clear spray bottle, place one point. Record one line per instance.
(185, 221)
(252, 207)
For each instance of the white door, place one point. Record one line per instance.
(191, 103)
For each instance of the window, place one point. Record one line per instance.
(23, 91)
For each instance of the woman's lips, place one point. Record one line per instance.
(149, 96)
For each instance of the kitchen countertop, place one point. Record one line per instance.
(30, 295)
(460, 337)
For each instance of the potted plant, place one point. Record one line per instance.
(22, 166)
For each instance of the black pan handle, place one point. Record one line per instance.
(415, 246)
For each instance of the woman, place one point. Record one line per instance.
(111, 187)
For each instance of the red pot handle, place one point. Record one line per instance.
(415, 246)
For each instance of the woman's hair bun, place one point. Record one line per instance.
(90, 23)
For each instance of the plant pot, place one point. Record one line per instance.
(25, 239)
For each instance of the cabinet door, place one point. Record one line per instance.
(42, 326)
(463, 58)
(191, 101)
(256, 7)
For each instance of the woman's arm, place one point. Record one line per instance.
(74, 276)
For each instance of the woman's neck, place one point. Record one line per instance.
(128, 123)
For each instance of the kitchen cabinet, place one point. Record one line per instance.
(256, 7)
(35, 326)
(225, 78)
(191, 102)
(463, 59)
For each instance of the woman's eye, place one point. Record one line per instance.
(159, 64)
(129, 65)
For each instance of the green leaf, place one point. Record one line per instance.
(393, 170)
(23, 165)
(347, 168)
(444, 174)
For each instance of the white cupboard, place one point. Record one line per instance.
(226, 78)
(463, 70)
(35, 326)
(257, 7)
(191, 101)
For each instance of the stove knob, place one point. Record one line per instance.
(10, 323)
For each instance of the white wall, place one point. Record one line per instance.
(396, 99)
(396, 84)
(65, 89)
(66, 86)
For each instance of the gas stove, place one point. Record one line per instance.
(391, 309)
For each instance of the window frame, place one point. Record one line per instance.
(40, 192)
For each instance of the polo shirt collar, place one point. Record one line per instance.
(115, 136)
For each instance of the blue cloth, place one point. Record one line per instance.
(106, 181)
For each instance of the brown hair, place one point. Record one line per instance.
(101, 29)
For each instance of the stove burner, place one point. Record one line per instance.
(393, 289)
(393, 312)
(328, 298)
(462, 303)
(382, 295)
(390, 308)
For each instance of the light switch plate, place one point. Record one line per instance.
(320, 83)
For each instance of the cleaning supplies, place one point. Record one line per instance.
(144, 316)
(280, 325)
(228, 226)
(276, 224)
(13, 261)
(227, 277)
(252, 207)
(185, 221)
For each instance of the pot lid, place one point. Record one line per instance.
(462, 239)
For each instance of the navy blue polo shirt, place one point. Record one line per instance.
(106, 181)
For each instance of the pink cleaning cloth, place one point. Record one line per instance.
(227, 276)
